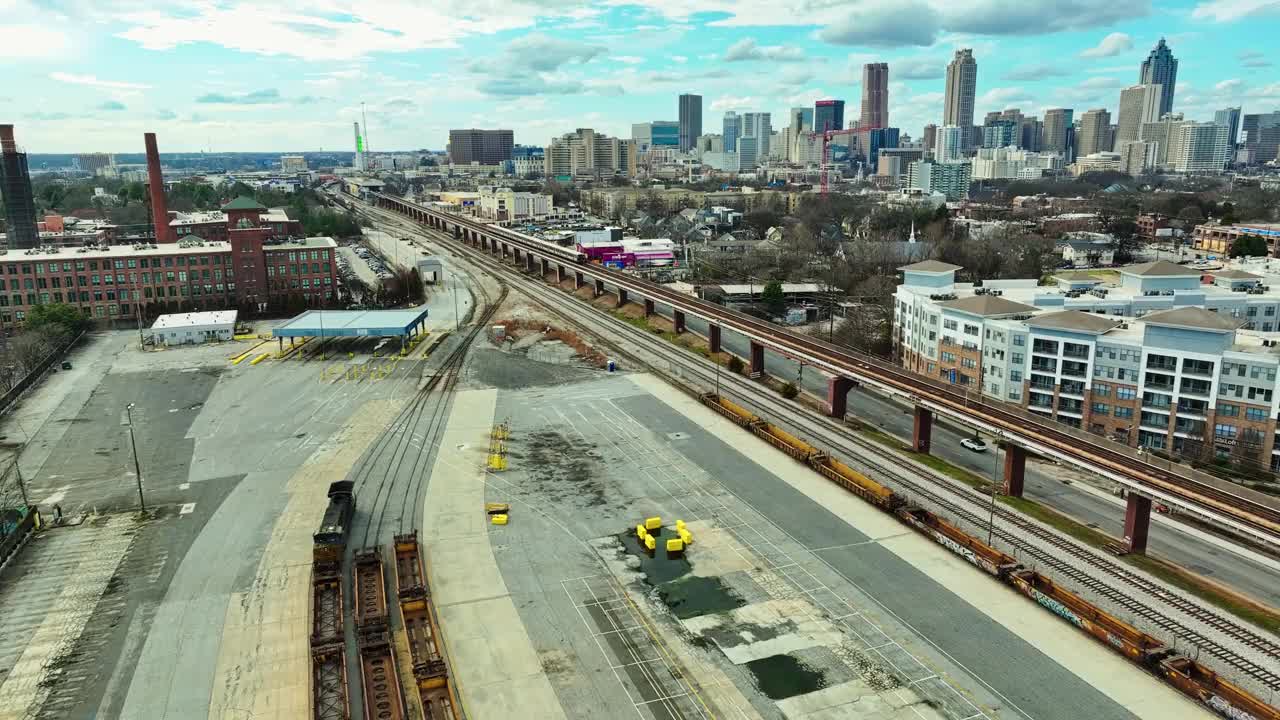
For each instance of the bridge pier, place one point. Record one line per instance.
(713, 338)
(1137, 521)
(757, 360)
(622, 297)
(1015, 470)
(838, 396)
(504, 251)
(528, 261)
(678, 320)
(921, 430)
(560, 273)
(578, 281)
(648, 307)
(546, 268)
(599, 289)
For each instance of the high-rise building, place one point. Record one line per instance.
(690, 120)
(877, 139)
(1262, 136)
(1031, 134)
(1056, 135)
(875, 96)
(962, 86)
(1202, 148)
(949, 178)
(1164, 133)
(93, 163)
(949, 143)
(481, 147)
(1138, 104)
(293, 163)
(828, 115)
(998, 133)
(1230, 119)
(358, 160)
(929, 137)
(757, 125)
(1095, 132)
(800, 119)
(1137, 157)
(15, 184)
(585, 152)
(732, 130)
(1160, 68)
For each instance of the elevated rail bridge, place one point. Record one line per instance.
(1145, 478)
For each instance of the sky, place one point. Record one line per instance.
(292, 75)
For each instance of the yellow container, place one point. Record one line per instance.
(498, 519)
(653, 523)
(649, 542)
(640, 531)
(686, 537)
(675, 545)
(679, 525)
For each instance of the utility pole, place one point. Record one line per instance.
(453, 284)
(137, 467)
(22, 486)
(995, 463)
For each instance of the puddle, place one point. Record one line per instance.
(696, 595)
(658, 569)
(782, 676)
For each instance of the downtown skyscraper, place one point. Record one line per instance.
(690, 120)
(875, 96)
(962, 86)
(1161, 68)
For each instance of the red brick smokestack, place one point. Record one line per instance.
(159, 210)
(7, 144)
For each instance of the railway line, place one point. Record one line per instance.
(1200, 494)
(1250, 656)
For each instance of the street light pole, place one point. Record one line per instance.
(453, 285)
(22, 486)
(137, 468)
(995, 463)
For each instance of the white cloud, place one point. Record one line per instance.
(918, 68)
(1228, 86)
(1229, 10)
(544, 53)
(1037, 72)
(680, 59)
(1111, 45)
(1254, 59)
(92, 81)
(747, 49)
(730, 102)
(25, 42)
(911, 23)
(628, 59)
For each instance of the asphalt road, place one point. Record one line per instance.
(1167, 539)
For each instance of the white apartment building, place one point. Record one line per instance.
(1162, 359)
(498, 203)
(1202, 148)
(1010, 162)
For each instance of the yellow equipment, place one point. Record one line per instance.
(675, 545)
(499, 519)
(649, 542)
(653, 523)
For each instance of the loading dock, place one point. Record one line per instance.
(325, 324)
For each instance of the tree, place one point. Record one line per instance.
(761, 219)
(1191, 216)
(773, 297)
(66, 318)
(1249, 246)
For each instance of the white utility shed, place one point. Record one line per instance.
(194, 328)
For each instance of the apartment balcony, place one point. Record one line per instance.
(1165, 366)
(1082, 354)
(1195, 389)
(1158, 387)
(1075, 369)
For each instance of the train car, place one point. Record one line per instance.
(331, 537)
(1138, 646)
(991, 561)
(1221, 696)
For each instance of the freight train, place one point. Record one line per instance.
(331, 537)
(1186, 674)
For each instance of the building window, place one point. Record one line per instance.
(1126, 393)
(1101, 408)
(1102, 390)
(1228, 410)
(1124, 412)
(1224, 430)
(1255, 414)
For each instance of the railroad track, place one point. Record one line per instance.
(1195, 493)
(1224, 657)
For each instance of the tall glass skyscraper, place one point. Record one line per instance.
(1161, 68)
(690, 121)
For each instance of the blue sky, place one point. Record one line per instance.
(291, 75)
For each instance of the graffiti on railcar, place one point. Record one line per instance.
(1057, 608)
(1226, 709)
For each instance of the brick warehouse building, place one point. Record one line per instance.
(254, 269)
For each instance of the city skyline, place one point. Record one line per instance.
(295, 80)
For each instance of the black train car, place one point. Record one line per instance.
(331, 537)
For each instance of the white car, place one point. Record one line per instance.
(975, 444)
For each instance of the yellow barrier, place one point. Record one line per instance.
(685, 536)
(260, 358)
(498, 519)
(641, 532)
(675, 545)
(679, 525)
(649, 542)
(653, 523)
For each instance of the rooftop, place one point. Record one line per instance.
(198, 218)
(930, 266)
(195, 319)
(1236, 275)
(1194, 317)
(114, 251)
(352, 323)
(987, 306)
(293, 243)
(244, 202)
(1074, 320)
(1159, 268)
